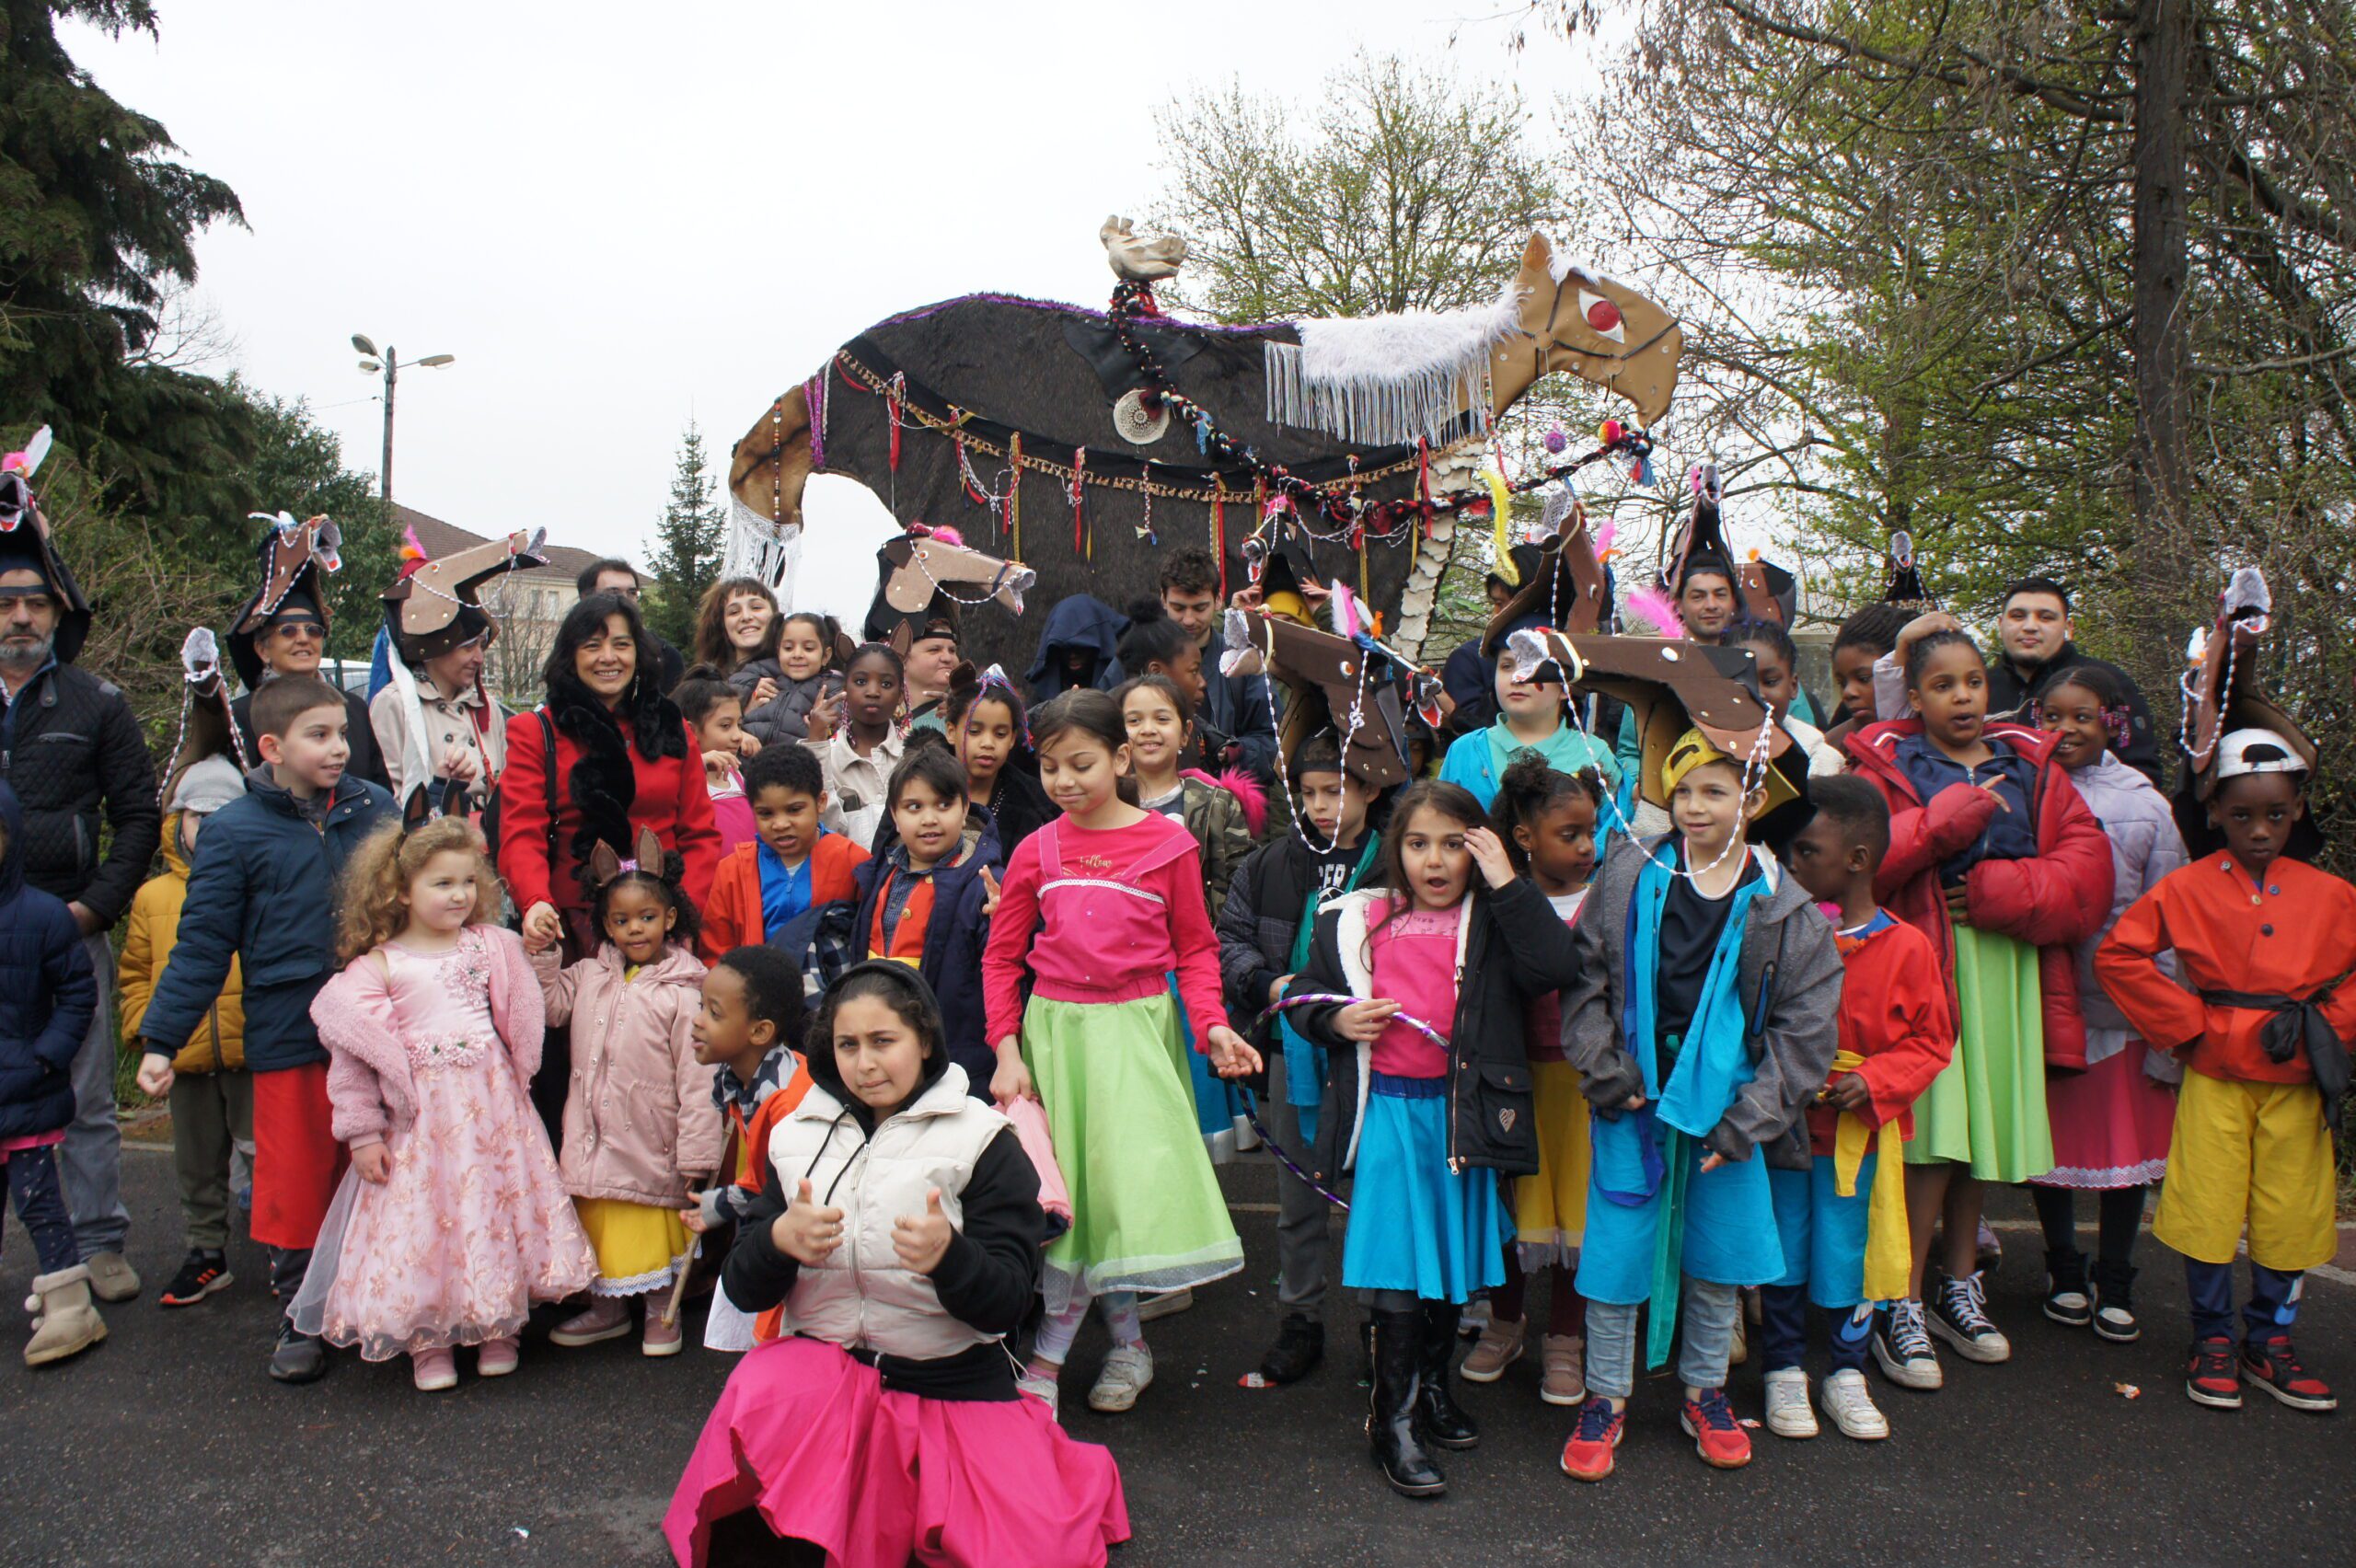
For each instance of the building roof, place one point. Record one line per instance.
(441, 538)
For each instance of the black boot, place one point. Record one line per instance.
(1301, 1345)
(1440, 1419)
(1391, 1409)
(2114, 1302)
(1365, 1354)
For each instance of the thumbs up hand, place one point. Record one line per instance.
(805, 1232)
(922, 1240)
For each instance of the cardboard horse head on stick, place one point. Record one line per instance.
(1085, 443)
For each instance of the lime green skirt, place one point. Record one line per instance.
(1987, 1110)
(1147, 1213)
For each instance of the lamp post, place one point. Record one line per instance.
(390, 363)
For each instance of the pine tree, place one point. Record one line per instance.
(684, 556)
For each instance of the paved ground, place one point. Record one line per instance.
(168, 1444)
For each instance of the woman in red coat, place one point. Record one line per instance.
(624, 760)
(1995, 859)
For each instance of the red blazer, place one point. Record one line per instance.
(672, 799)
(733, 917)
(2051, 901)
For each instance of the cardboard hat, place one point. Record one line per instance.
(1563, 584)
(2223, 692)
(295, 558)
(438, 607)
(206, 729)
(1670, 686)
(1282, 569)
(924, 576)
(1366, 695)
(1901, 582)
(1768, 592)
(25, 544)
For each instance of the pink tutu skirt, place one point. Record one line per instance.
(810, 1437)
(2111, 1124)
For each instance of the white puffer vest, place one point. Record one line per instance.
(862, 1297)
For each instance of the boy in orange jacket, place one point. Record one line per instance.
(794, 866)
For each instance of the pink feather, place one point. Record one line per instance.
(1604, 536)
(1657, 610)
(948, 535)
(1249, 792)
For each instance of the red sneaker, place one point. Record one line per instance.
(2208, 1375)
(1588, 1456)
(1717, 1436)
(2274, 1366)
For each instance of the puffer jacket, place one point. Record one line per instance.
(372, 1087)
(149, 937)
(79, 766)
(786, 716)
(48, 994)
(640, 1123)
(2052, 902)
(2144, 847)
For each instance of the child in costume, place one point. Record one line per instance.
(1098, 908)
(1994, 858)
(794, 863)
(2112, 1123)
(715, 711)
(857, 758)
(1427, 1119)
(451, 1221)
(1839, 1181)
(1532, 715)
(990, 733)
(900, 1227)
(1548, 820)
(639, 1127)
(1702, 1021)
(1264, 935)
(2266, 943)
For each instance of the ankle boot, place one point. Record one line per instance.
(65, 1323)
(1391, 1408)
(1439, 1420)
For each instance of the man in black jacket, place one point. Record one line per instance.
(71, 749)
(2035, 630)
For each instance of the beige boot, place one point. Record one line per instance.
(65, 1323)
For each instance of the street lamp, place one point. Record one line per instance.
(390, 363)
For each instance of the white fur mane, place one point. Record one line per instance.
(1387, 380)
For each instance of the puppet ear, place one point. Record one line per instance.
(648, 851)
(454, 798)
(418, 810)
(903, 639)
(604, 864)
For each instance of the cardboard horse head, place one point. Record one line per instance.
(2224, 691)
(926, 578)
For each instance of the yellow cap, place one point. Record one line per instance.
(1693, 749)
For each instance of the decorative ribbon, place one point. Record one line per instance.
(1888, 1244)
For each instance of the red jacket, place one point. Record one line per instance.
(2051, 901)
(1894, 1014)
(672, 799)
(731, 917)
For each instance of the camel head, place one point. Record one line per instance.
(1595, 328)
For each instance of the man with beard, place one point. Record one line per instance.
(2035, 630)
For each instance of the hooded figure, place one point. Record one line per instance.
(1077, 645)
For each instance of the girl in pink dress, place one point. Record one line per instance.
(452, 1220)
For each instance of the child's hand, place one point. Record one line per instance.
(747, 744)
(805, 1232)
(1921, 627)
(825, 715)
(1231, 1054)
(1278, 987)
(1711, 1162)
(1634, 1103)
(717, 766)
(989, 892)
(763, 693)
(1958, 899)
(1847, 1092)
(692, 1216)
(373, 1162)
(1362, 1022)
(541, 926)
(1013, 1080)
(922, 1240)
(1489, 854)
(154, 1076)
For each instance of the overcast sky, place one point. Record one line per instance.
(618, 217)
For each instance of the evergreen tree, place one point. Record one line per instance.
(684, 556)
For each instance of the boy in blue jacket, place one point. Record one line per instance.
(48, 996)
(263, 891)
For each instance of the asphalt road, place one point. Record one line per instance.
(168, 1444)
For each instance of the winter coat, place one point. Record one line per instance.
(1019, 808)
(2052, 902)
(733, 916)
(666, 795)
(953, 939)
(1214, 817)
(372, 1086)
(366, 761)
(1077, 624)
(48, 994)
(639, 1124)
(785, 717)
(2143, 848)
(856, 786)
(1260, 924)
(1511, 947)
(414, 723)
(219, 1043)
(1788, 978)
(264, 892)
(79, 766)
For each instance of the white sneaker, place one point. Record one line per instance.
(1126, 1373)
(1851, 1405)
(1788, 1412)
(1045, 1390)
(1168, 1304)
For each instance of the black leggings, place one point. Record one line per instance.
(2120, 1214)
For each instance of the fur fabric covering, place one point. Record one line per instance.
(1249, 792)
(1390, 378)
(603, 784)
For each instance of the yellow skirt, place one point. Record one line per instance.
(2248, 1152)
(639, 1247)
(1550, 1208)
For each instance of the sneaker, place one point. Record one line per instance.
(2113, 1304)
(607, 1317)
(1500, 1345)
(112, 1279)
(298, 1357)
(1959, 1314)
(1168, 1304)
(200, 1276)
(2274, 1366)
(1126, 1373)
(1301, 1345)
(498, 1357)
(1851, 1405)
(1788, 1412)
(1903, 1348)
(1717, 1436)
(1563, 1357)
(2210, 1378)
(1045, 1390)
(1476, 1318)
(2066, 1301)
(433, 1370)
(1588, 1456)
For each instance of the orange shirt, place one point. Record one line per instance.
(916, 918)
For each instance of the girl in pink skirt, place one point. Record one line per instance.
(901, 1229)
(2111, 1122)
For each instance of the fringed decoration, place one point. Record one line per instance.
(1081, 546)
(1501, 528)
(1014, 496)
(891, 409)
(1424, 483)
(1387, 380)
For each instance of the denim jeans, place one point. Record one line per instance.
(40, 1206)
(1708, 1324)
(2272, 1307)
(90, 1160)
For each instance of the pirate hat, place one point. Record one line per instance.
(25, 544)
(1902, 583)
(2224, 693)
(917, 578)
(294, 558)
(1281, 567)
(437, 604)
(1768, 592)
(1562, 582)
(1362, 691)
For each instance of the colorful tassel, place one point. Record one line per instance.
(1501, 528)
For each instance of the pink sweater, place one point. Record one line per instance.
(1123, 909)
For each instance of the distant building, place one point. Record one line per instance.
(528, 606)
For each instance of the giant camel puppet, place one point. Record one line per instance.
(1083, 443)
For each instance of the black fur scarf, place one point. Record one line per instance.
(604, 783)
